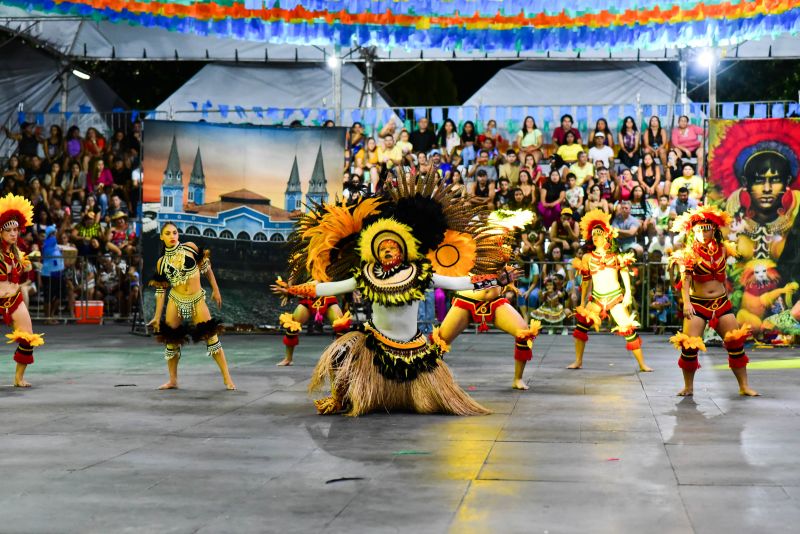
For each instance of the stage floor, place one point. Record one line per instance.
(93, 447)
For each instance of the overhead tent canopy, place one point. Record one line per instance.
(34, 81)
(312, 30)
(265, 89)
(571, 82)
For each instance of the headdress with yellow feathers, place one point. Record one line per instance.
(703, 214)
(15, 211)
(595, 219)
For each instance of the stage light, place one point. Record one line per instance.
(80, 74)
(706, 58)
(333, 62)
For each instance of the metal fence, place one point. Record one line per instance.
(85, 289)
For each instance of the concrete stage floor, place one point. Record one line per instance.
(93, 447)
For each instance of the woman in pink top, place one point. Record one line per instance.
(101, 183)
(687, 139)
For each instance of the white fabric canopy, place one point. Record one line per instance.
(106, 40)
(265, 86)
(554, 83)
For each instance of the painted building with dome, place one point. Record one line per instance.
(241, 215)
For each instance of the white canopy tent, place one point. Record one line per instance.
(281, 86)
(572, 82)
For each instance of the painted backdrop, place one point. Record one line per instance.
(237, 191)
(754, 174)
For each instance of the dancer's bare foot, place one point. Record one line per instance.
(519, 384)
(169, 385)
(231, 386)
(747, 392)
(575, 365)
(21, 383)
(285, 362)
(645, 369)
(686, 392)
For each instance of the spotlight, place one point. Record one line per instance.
(80, 74)
(706, 58)
(333, 62)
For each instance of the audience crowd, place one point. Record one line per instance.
(644, 179)
(85, 190)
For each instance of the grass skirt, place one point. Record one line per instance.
(358, 387)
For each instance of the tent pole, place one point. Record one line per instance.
(684, 97)
(369, 76)
(712, 85)
(64, 95)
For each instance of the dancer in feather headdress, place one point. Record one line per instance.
(16, 213)
(702, 263)
(601, 269)
(389, 365)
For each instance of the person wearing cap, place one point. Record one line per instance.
(566, 232)
(601, 151)
(16, 213)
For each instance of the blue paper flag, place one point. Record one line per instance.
(288, 112)
(306, 112)
(272, 114)
(356, 114)
(387, 115)
(662, 111)
(792, 109)
(370, 116)
(223, 110)
(454, 114)
(40, 119)
(68, 116)
(83, 108)
(518, 113)
(419, 113)
(56, 108)
(240, 111)
(597, 113)
(483, 113)
(258, 111)
(647, 111)
(778, 111)
(322, 114)
(548, 115)
(565, 110)
(20, 117)
(760, 111)
(581, 113)
(743, 111)
(470, 113)
(134, 115)
(205, 107)
(194, 105)
(727, 111)
(437, 116)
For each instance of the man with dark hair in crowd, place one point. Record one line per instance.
(482, 164)
(683, 202)
(423, 139)
(566, 232)
(560, 133)
(27, 142)
(503, 195)
(509, 168)
(35, 171)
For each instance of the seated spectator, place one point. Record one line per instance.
(532, 239)
(482, 164)
(687, 140)
(673, 167)
(608, 187)
(595, 201)
(567, 153)
(118, 145)
(53, 178)
(116, 206)
(93, 146)
(529, 140)
(629, 145)
(88, 229)
(528, 187)
(441, 166)
(509, 168)
(54, 146)
(482, 191)
(533, 169)
(566, 232)
(488, 144)
(468, 139)
(649, 177)
(625, 184)
(654, 140)
(448, 139)
(642, 210)
(601, 151)
(75, 179)
(690, 181)
(13, 172)
(528, 287)
(575, 196)
(75, 150)
(663, 215)
(554, 262)
(518, 201)
(601, 126)
(101, 183)
(551, 196)
(120, 238)
(660, 307)
(390, 155)
(560, 133)
(628, 229)
(405, 146)
(121, 177)
(35, 170)
(503, 196)
(422, 139)
(457, 181)
(582, 169)
(354, 190)
(683, 202)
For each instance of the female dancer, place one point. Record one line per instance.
(702, 263)
(16, 213)
(601, 269)
(179, 269)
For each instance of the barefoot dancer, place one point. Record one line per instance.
(179, 269)
(16, 213)
(601, 269)
(702, 264)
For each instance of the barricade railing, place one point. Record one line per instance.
(83, 289)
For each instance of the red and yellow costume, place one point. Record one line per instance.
(707, 262)
(607, 296)
(482, 312)
(16, 212)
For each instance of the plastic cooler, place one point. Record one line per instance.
(89, 311)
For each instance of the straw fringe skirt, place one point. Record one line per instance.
(358, 387)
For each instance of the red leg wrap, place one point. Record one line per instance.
(291, 341)
(690, 364)
(523, 354)
(24, 354)
(635, 344)
(738, 363)
(580, 334)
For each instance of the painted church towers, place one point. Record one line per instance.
(172, 183)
